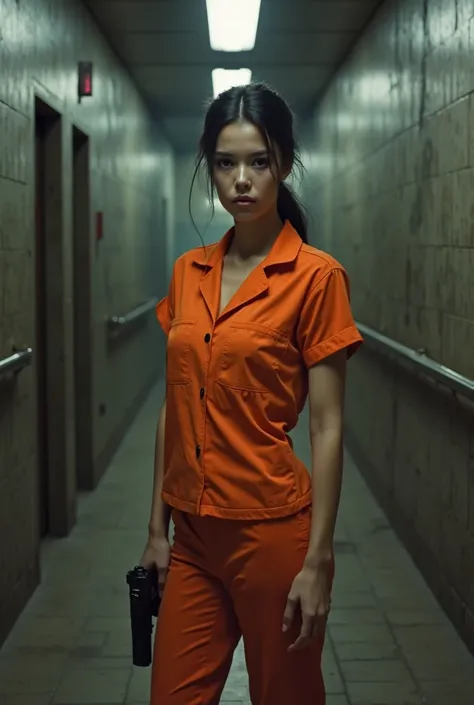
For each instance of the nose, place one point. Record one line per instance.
(242, 181)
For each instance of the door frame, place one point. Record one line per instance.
(59, 394)
(82, 260)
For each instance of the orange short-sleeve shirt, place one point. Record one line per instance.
(236, 383)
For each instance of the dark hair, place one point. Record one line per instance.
(263, 107)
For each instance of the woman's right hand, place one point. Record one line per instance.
(157, 555)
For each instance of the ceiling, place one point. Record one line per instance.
(165, 44)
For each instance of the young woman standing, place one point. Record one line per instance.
(255, 324)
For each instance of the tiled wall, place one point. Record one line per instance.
(390, 159)
(41, 42)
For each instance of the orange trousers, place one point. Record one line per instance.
(230, 579)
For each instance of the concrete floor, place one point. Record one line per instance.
(388, 643)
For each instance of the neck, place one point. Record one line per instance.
(256, 238)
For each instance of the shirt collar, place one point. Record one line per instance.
(285, 249)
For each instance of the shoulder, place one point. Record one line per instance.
(315, 265)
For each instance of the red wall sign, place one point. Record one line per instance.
(85, 79)
(99, 227)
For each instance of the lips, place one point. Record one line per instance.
(244, 199)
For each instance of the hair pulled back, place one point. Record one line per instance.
(261, 106)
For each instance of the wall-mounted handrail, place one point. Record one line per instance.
(16, 361)
(419, 363)
(120, 323)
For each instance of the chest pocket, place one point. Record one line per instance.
(178, 351)
(253, 358)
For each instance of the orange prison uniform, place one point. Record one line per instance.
(235, 385)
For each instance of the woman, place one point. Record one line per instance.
(254, 323)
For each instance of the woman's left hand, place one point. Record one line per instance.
(311, 591)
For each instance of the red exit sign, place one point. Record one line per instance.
(85, 79)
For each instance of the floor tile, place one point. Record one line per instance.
(91, 686)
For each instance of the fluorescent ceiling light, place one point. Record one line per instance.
(232, 24)
(223, 79)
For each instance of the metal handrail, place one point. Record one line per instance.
(120, 323)
(418, 362)
(16, 361)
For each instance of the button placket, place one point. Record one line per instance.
(202, 394)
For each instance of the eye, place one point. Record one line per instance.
(224, 163)
(261, 163)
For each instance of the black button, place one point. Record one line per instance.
(201, 393)
(198, 451)
(207, 337)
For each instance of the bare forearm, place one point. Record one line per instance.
(160, 511)
(327, 456)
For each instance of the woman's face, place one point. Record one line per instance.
(244, 176)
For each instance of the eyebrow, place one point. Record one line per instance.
(259, 153)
